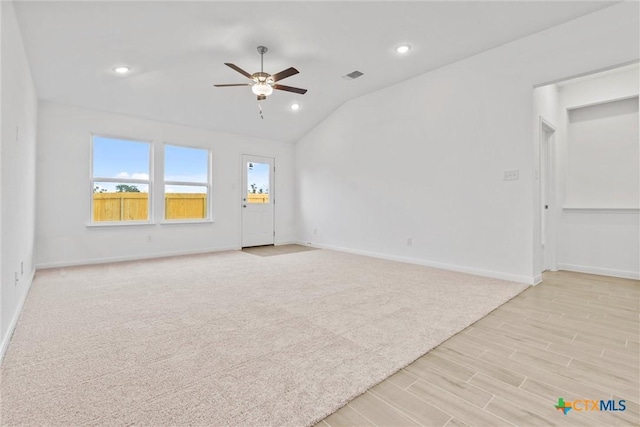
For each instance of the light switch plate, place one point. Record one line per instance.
(511, 175)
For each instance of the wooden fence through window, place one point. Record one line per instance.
(135, 206)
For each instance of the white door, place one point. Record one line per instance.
(257, 201)
(547, 203)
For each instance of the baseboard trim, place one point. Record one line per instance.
(14, 320)
(537, 279)
(427, 263)
(58, 264)
(600, 271)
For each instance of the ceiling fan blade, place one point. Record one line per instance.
(238, 69)
(234, 84)
(284, 74)
(290, 89)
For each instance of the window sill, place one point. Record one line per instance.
(107, 224)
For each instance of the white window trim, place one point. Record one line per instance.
(208, 185)
(94, 179)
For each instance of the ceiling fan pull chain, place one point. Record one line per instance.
(260, 110)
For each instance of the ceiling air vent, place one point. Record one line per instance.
(353, 75)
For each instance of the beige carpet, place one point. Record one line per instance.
(227, 338)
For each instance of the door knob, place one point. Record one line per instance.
(244, 206)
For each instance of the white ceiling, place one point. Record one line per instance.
(177, 50)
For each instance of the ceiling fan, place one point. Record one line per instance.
(262, 84)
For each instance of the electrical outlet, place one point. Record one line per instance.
(21, 268)
(315, 231)
(511, 175)
(409, 241)
(149, 239)
(16, 276)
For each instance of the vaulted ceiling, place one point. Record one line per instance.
(177, 51)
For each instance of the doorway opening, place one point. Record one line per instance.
(586, 163)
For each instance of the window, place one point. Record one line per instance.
(258, 182)
(186, 183)
(120, 180)
(121, 184)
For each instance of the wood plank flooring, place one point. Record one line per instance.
(575, 336)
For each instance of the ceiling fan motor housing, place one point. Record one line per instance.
(262, 78)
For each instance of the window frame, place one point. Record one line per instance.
(208, 185)
(93, 179)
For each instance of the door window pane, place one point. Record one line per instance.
(258, 182)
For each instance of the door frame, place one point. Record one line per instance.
(272, 192)
(548, 197)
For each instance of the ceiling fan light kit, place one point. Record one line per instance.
(262, 84)
(262, 88)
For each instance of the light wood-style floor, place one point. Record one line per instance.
(573, 336)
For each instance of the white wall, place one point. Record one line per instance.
(425, 158)
(602, 141)
(63, 237)
(599, 227)
(19, 110)
(603, 155)
(614, 84)
(600, 242)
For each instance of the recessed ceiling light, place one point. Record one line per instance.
(295, 107)
(403, 48)
(122, 70)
